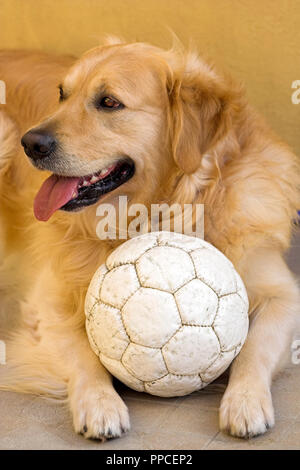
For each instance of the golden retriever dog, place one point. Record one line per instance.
(154, 125)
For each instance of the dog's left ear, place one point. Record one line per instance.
(201, 112)
(112, 40)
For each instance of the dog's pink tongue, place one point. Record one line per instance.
(55, 192)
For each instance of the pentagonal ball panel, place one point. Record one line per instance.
(118, 285)
(231, 322)
(191, 349)
(165, 268)
(107, 330)
(197, 303)
(151, 317)
(174, 385)
(218, 367)
(130, 251)
(144, 363)
(215, 270)
(117, 369)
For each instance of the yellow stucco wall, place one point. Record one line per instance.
(258, 40)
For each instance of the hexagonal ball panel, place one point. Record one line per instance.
(165, 268)
(231, 322)
(178, 240)
(107, 330)
(93, 292)
(131, 250)
(241, 289)
(89, 332)
(191, 350)
(118, 285)
(151, 317)
(174, 385)
(215, 270)
(144, 363)
(117, 369)
(197, 303)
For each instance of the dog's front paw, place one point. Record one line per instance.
(99, 414)
(246, 411)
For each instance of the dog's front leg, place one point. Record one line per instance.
(53, 349)
(98, 411)
(246, 408)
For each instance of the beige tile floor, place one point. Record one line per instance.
(190, 422)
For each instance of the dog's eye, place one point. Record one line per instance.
(61, 93)
(110, 103)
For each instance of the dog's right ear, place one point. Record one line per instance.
(201, 111)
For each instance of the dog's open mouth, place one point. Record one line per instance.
(74, 193)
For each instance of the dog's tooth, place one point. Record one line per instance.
(85, 183)
(74, 195)
(93, 179)
(102, 172)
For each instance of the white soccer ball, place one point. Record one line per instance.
(167, 313)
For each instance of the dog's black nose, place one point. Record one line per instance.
(38, 144)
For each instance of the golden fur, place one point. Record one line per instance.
(194, 139)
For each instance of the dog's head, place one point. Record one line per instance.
(130, 118)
